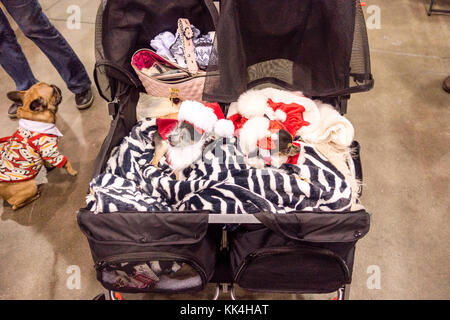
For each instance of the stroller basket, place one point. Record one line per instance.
(151, 253)
(299, 252)
(303, 252)
(183, 251)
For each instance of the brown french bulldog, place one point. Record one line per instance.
(35, 143)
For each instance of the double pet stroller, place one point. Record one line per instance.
(318, 47)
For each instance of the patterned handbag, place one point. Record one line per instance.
(189, 81)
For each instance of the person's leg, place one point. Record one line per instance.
(12, 58)
(13, 61)
(36, 26)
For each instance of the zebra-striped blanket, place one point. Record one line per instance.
(220, 181)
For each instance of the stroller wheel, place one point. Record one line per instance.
(343, 293)
(217, 292)
(109, 295)
(116, 296)
(113, 295)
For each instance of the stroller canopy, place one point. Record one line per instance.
(312, 46)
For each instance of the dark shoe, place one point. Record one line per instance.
(446, 84)
(12, 111)
(84, 100)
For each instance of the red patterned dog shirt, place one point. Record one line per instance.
(23, 154)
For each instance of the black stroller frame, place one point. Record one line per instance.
(320, 247)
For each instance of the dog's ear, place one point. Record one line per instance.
(293, 150)
(16, 96)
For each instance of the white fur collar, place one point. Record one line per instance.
(182, 157)
(41, 127)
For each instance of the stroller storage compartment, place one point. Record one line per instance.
(136, 252)
(301, 252)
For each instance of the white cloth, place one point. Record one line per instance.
(162, 42)
(41, 127)
(332, 127)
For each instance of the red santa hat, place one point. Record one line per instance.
(165, 126)
(291, 108)
(260, 133)
(290, 114)
(267, 142)
(289, 117)
(208, 117)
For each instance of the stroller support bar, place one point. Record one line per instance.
(232, 218)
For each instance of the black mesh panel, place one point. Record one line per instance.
(305, 45)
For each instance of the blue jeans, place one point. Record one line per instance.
(36, 26)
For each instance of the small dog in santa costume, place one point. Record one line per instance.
(266, 123)
(182, 140)
(266, 142)
(314, 122)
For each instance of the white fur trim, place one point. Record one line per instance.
(311, 113)
(182, 157)
(280, 115)
(278, 95)
(253, 130)
(252, 103)
(224, 128)
(232, 109)
(197, 114)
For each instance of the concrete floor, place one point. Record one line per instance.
(402, 125)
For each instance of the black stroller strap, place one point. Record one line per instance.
(213, 11)
(314, 227)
